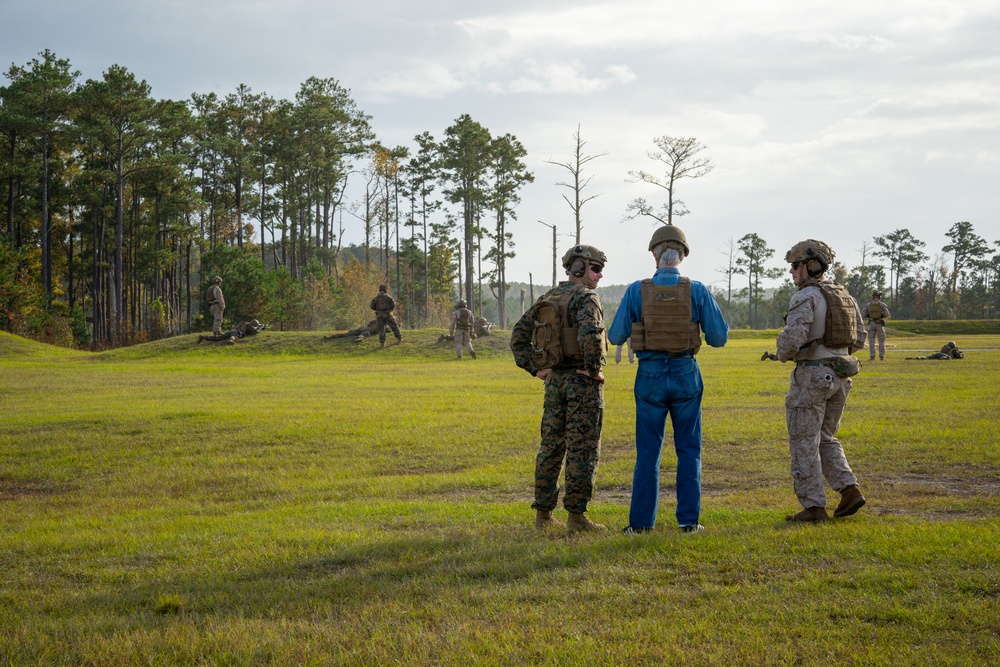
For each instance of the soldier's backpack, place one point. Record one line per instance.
(383, 303)
(553, 342)
(874, 311)
(465, 319)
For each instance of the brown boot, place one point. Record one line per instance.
(851, 501)
(544, 520)
(809, 514)
(578, 522)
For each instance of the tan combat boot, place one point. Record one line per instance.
(809, 514)
(544, 520)
(851, 501)
(578, 522)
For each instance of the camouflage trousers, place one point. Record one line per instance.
(813, 408)
(217, 311)
(463, 340)
(876, 330)
(387, 320)
(571, 429)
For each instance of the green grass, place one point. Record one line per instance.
(294, 501)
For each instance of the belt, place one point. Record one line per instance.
(681, 355)
(813, 362)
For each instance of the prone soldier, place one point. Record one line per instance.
(358, 334)
(949, 351)
(251, 328)
(482, 328)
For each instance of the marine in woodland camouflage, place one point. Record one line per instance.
(573, 413)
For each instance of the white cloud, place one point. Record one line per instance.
(565, 78)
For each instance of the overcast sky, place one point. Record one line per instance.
(834, 120)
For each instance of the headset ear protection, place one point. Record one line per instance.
(815, 267)
(578, 267)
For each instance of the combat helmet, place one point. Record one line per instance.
(811, 249)
(673, 236)
(576, 258)
(254, 323)
(462, 303)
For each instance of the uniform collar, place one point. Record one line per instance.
(668, 269)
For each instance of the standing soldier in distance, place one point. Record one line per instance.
(383, 305)
(618, 353)
(217, 304)
(662, 318)
(876, 312)
(573, 412)
(820, 381)
(462, 320)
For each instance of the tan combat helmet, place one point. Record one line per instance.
(810, 250)
(254, 323)
(673, 236)
(217, 279)
(576, 258)
(462, 303)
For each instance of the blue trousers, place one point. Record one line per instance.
(662, 387)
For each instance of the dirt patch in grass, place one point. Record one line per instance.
(978, 483)
(13, 489)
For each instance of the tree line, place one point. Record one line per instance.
(119, 208)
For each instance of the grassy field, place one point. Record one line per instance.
(294, 501)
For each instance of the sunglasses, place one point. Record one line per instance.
(796, 265)
(597, 268)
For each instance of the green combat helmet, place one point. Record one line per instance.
(811, 249)
(576, 258)
(673, 236)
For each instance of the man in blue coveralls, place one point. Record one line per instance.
(664, 317)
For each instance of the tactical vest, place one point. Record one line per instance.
(667, 324)
(841, 326)
(875, 311)
(465, 319)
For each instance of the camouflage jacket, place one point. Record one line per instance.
(383, 304)
(215, 297)
(584, 311)
(806, 321)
